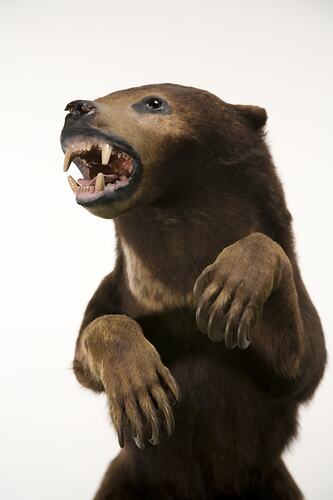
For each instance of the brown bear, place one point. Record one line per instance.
(203, 337)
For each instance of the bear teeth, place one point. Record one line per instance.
(94, 181)
(99, 184)
(73, 184)
(77, 149)
(106, 153)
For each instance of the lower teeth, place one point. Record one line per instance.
(77, 188)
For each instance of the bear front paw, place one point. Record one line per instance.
(141, 396)
(140, 389)
(230, 294)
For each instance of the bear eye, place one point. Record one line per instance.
(154, 103)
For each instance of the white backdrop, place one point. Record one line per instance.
(55, 436)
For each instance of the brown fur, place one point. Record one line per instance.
(209, 212)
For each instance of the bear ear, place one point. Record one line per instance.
(254, 114)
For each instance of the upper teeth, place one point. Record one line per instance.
(106, 153)
(68, 159)
(77, 148)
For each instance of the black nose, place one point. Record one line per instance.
(80, 107)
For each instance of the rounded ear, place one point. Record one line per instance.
(254, 114)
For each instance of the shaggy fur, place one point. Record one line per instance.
(210, 215)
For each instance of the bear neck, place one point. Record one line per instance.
(176, 237)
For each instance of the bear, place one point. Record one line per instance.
(203, 337)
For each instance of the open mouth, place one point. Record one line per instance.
(107, 170)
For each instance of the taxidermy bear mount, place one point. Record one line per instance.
(203, 337)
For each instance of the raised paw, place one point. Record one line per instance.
(230, 295)
(140, 389)
(141, 396)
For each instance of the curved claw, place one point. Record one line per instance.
(217, 320)
(174, 388)
(229, 337)
(204, 306)
(139, 444)
(134, 419)
(201, 314)
(215, 330)
(117, 417)
(170, 421)
(246, 323)
(170, 382)
(163, 405)
(155, 437)
(201, 283)
(121, 440)
(149, 412)
(242, 338)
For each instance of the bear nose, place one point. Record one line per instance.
(80, 107)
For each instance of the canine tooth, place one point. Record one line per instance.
(99, 184)
(73, 184)
(106, 153)
(68, 159)
(88, 146)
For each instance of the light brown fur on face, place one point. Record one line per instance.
(149, 135)
(203, 338)
(145, 132)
